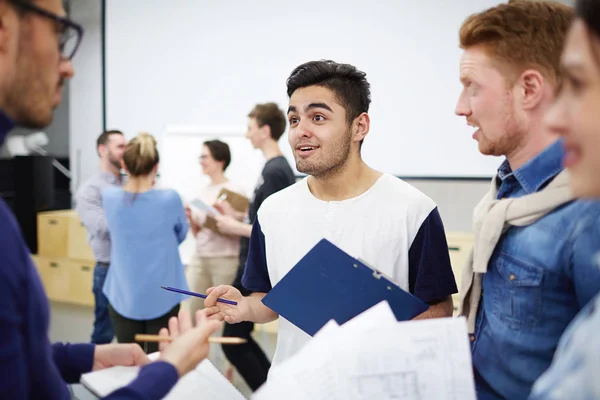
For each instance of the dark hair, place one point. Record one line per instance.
(219, 151)
(589, 12)
(270, 114)
(348, 84)
(104, 136)
(141, 155)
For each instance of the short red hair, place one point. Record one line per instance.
(521, 35)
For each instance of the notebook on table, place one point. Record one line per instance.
(205, 382)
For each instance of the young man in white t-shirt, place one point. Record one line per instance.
(371, 215)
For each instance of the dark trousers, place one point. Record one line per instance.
(126, 328)
(248, 358)
(103, 330)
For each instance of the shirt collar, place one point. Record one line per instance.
(6, 125)
(538, 171)
(110, 178)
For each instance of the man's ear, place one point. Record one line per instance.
(362, 124)
(266, 129)
(531, 88)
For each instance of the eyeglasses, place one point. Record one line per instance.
(71, 33)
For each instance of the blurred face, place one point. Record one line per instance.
(575, 115)
(113, 150)
(488, 104)
(36, 88)
(208, 163)
(319, 135)
(257, 134)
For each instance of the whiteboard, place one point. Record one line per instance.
(179, 169)
(209, 62)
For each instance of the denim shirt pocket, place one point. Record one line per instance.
(517, 292)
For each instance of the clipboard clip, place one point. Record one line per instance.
(376, 273)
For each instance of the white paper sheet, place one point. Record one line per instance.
(375, 357)
(379, 315)
(204, 382)
(202, 206)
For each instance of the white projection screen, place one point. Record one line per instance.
(206, 63)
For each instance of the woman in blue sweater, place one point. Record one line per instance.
(146, 226)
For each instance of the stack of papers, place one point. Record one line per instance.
(373, 356)
(205, 382)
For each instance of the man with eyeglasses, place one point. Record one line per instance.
(37, 43)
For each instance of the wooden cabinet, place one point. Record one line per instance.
(67, 280)
(65, 261)
(61, 234)
(459, 246)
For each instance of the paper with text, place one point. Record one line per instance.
(375, 357)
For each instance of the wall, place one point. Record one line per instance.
(180, 76)
(85, 108)
(455, 200)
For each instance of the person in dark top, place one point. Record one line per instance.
(38, 42)
(266, 125)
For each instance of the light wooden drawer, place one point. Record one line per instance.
(269, 327)
(78, 246)
(459, 246)
(52, 231)
(61, 234)
(67, 281)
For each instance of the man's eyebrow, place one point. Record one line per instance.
(318, 105)
(310, 107)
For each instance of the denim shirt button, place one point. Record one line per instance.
(472, 337)
(512, 277)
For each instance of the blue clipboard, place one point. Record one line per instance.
(327, 283)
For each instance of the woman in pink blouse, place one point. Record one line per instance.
(215, 260)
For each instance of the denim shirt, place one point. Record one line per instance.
(539, 277)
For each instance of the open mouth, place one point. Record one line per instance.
(305, 151)
(477, 130)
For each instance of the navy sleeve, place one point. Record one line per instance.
(72, 360)
(14, 351)
(430, 275)
(256, 274)
(154, 382)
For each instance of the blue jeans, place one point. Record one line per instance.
(103, 329)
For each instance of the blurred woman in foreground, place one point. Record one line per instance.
(575, 370)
